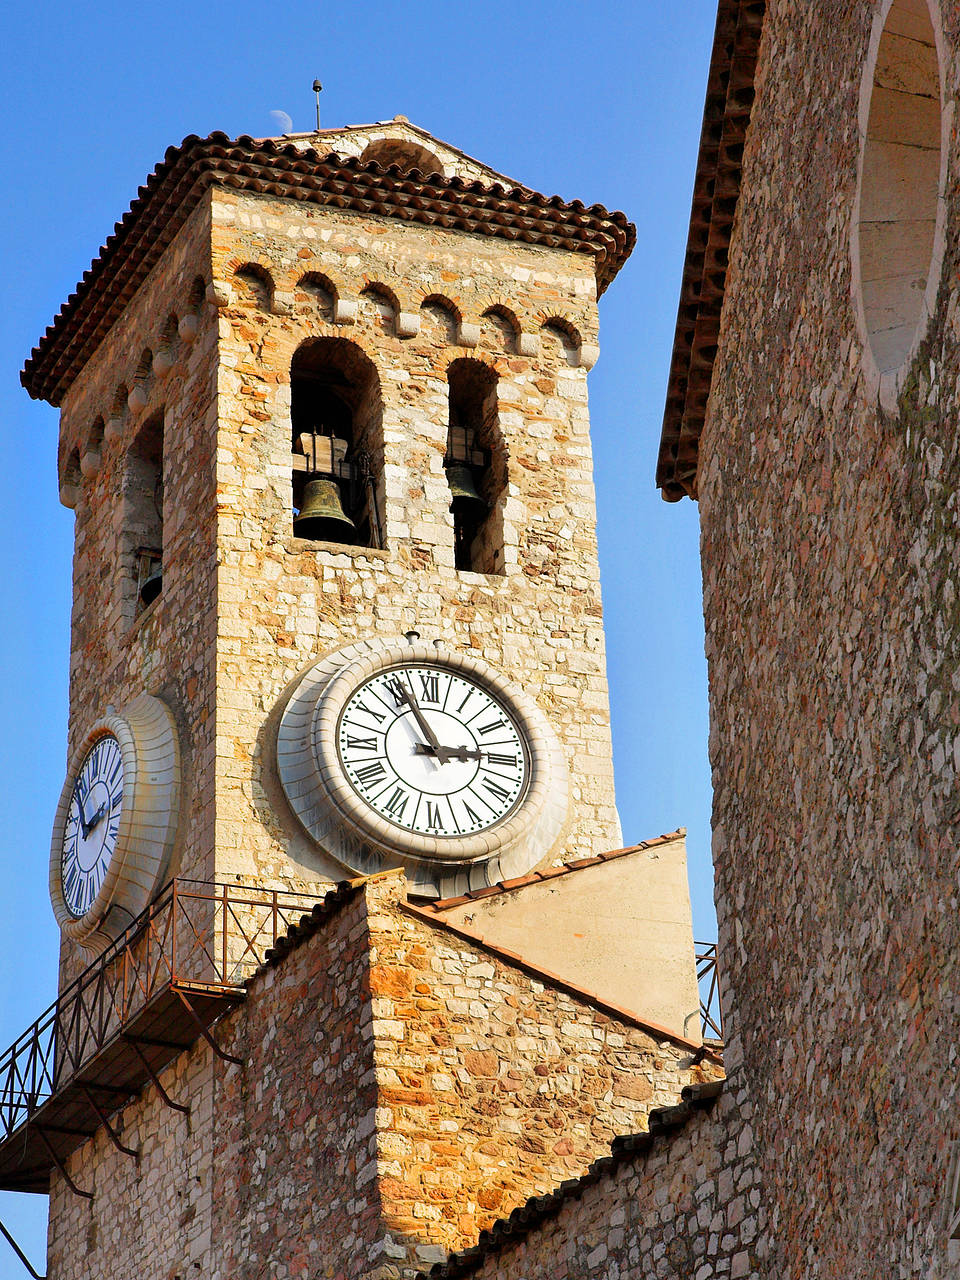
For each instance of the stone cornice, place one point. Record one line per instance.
(283, 171)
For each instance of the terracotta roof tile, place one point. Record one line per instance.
(664, 1125)
(716, 191)
(549, 873)
(279, 168)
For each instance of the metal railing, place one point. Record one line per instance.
(711, 1015)
(207, 935)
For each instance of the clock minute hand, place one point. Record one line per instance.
(420, 718)
(84, 825)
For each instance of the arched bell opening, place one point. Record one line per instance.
(337, 444)
(476, 466)
(143, 518)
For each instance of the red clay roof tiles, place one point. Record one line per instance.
(280, 169)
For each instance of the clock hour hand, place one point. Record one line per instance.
(98, 815)
(443, 754)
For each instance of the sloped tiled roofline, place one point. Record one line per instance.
(280, 169)
(716, 191)
(440, 905)
(665, 1125)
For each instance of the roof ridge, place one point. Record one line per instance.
(664, 1124)
(550, 873)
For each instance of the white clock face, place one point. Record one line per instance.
(432, 751)
(92, 822)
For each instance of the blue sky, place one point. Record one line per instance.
(600, 102)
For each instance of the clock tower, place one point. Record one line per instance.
(324, 428)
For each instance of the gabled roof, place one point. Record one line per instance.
(664, 1125)
(716, 191)
(283, 169)
(439, 905)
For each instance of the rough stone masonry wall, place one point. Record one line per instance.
(149, 1218)
(295, 1147)
(492, 1086)
(285, 601)
(830, 553)
(685, 1210)
(168, 650)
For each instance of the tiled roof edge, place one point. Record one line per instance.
(175, 187)
(716, 192)
(564, 984)
(664, 1125)
(309, 923)
(550, 873)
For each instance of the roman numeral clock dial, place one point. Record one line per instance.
(432, 751)
(114, 828)
(93, 820)
(403, 752)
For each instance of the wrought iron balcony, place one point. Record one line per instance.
(711, 1015)
(177, 968)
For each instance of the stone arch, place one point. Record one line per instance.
(560, 340)
(317, 293)
(70, 477)
(139, 396)
(378, 304)
(119, 413)
(189, 323)
(402, 152)
(439, 318)
(476, 458)
(141, 550)
(499, 329)
(897, 239)
(91, 455)
(254, 286)
(165, 356)
(336, 420)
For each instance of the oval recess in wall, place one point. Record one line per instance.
(898, 237)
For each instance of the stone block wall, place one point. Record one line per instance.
(492, 1085)
(411, 300)
(683, 1206)
(830, 552)
(149, 1217)
(158, 360)
(400, 1090)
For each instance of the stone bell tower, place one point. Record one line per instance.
(424, 323)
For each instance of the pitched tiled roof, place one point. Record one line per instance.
(280, 169)
(664, 1124)
(726, 116)
(440, 905)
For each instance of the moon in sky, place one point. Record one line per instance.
(283, 122)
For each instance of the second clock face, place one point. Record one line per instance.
(92, 822)
(432, 751)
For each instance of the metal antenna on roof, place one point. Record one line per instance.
(318, 89)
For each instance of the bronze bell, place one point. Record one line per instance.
(322, 516)
(463, 490)
(151, 585)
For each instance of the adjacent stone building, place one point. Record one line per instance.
(811, 413)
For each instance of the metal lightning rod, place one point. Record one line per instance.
(318, 89)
